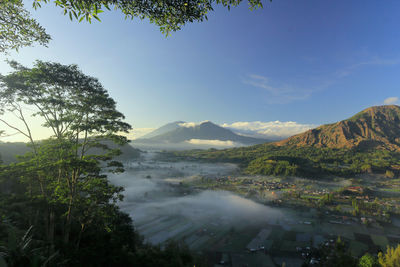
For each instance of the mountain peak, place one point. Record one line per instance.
(164, 129)
(207, 124)
(186, 131)
(374, 127)
(386, 110)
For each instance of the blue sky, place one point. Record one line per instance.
(311, 61)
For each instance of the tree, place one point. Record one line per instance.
(168, 15)
(64, 172)
(367, 261)
(391, 258)
(17, 28)
(334, 256)
(24, 250)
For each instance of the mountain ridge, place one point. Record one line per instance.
(374, 127)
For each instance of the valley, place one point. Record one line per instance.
(333, 189)
(232, 219)
(202, 133)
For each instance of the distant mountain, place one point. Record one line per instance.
(164, 129)
(203, 131)
(374, 127)
(10, 150)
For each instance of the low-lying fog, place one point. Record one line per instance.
(155, 200)
(191, 144)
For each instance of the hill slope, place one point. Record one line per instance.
(374, 127)
(367, 142)
(204, 131)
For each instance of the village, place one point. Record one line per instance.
(366, 204)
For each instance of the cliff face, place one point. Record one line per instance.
(375, 127)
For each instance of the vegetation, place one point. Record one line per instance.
(391, 258)
(17, 28)
(57, 205)
(337, 256)
(367, 261)
(269, 159)
(168, 15)
(367, 142)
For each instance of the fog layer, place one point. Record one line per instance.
(162, 208)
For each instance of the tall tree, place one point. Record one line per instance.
(66, 170)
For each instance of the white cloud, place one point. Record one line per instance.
(391, 100)
(191, 124)
(138, 132)
(212, 143)
(269, 130)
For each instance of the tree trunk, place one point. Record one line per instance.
(80, 236)
(52, 226)
(68, 223)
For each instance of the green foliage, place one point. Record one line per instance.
(17, 28)
(367, 261)
(266, 166)
(168, 15)
(269, 159)
(173, 254)
(391, 258)
(24, 250)
(333, 256)
(326, 199)
(59, 174)
(60, 186)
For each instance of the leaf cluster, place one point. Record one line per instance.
(169, 15)
(17, 28)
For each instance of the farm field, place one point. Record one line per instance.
(264, 243)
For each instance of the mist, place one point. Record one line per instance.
(161, 208)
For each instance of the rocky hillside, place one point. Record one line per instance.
(374, 127)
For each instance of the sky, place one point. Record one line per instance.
(305, 63)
